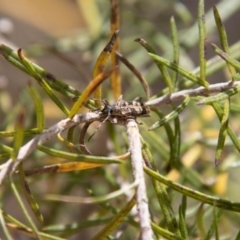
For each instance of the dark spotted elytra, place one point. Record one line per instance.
(121, 108)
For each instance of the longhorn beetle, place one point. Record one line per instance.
(124, 110)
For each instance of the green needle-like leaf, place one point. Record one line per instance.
(184, 206)
(223, 132)
(182, 224)
(204, 198)
(161, 67)
(24, 210)
(38, 107)
(216, 220)
(226, 57)
(3, 225)
(202, 43)
(175, 67)
(171, 115)
(216, 216)
(30, 198)
(220, 96)
(200, 221)
(176, 144)
(231, 134)
(19, 134)
(31, 70)
(165, 233)
(60, 86)
(175, 48)
(77, 157)
(223, 39)
(116, 221)
(162, 196)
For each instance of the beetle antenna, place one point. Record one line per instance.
(99, 127)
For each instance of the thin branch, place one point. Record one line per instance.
(137, 165)
(200, 91)
(140, 77)
(10, 166)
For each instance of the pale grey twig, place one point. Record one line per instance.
(200, 91)
(10, 166)
(137, 165)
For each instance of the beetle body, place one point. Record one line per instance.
(124, 109)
